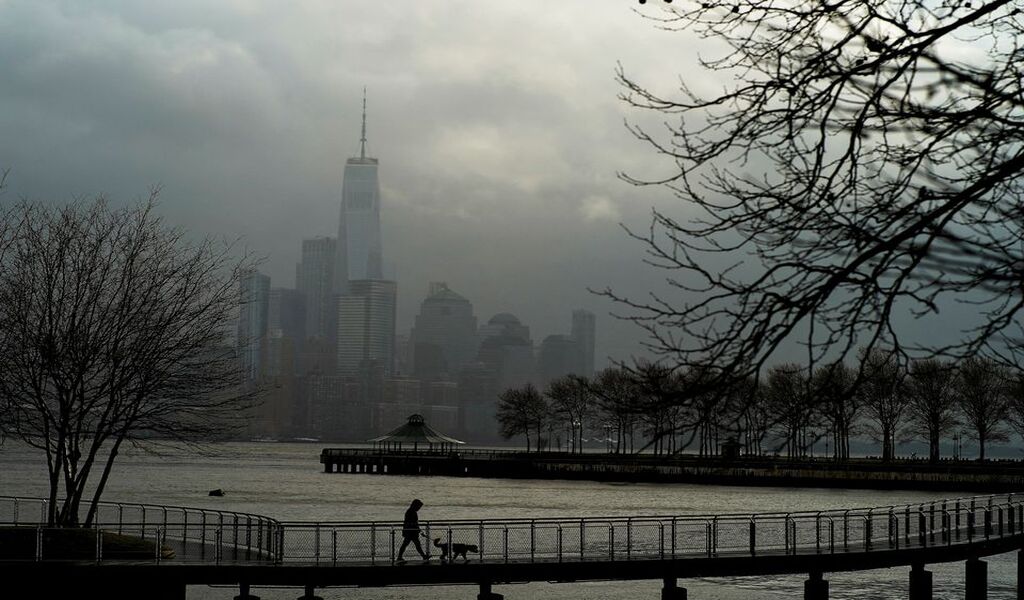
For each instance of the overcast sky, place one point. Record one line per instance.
(497, 125)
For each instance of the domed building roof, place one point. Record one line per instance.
(504, 319)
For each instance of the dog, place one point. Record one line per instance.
(456, 550)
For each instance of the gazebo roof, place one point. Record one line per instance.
(416, 431)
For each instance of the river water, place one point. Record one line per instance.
(286, 482)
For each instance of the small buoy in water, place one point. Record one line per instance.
(217, 492)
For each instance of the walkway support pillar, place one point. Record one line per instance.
(815, 588)
(1020, 573)
(672, 591)
(309, 594)
(920, 583)
(486, 593)
(243, 593)
(976, 580)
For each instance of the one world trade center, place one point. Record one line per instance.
(359, 240)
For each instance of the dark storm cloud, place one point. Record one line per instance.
(497, 126)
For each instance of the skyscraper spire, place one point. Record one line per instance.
(362, 140)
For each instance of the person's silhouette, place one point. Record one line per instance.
(411, 530)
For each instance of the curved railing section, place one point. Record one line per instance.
(179, 534)
(943, 522)
(130, 531)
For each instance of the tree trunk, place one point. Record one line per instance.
(933, 447)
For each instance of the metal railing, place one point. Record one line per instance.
(164, 534)
(942, 522)
(130, 531)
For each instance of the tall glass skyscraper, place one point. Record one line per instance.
(360, 254)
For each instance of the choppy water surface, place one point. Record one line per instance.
(285, 481)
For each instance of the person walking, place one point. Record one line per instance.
(411, 531)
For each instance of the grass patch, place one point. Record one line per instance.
(19, 543)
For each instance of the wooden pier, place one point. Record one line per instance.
(991, 476)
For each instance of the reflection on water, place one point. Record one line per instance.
(285, 481)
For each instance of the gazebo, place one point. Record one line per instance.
(415, 432)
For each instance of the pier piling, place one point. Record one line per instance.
(976, 580)
(487, 594)
(672, 591)
(816, 588)
(920, 583)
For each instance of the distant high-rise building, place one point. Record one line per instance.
(252, 322)
(559, 355)
(314, 278)
(360, 251)
(366, 327)
(444, 336)
(506, 348)
(584, 329)
(286, 331)
(287, 313)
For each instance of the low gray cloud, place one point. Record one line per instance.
(497, 125)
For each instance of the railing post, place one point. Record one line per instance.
(373, 543)
(846, 530)
(583, 540)
(785, 538)
(505, 551)
(956, 512)
(714, 536)
(831, 535)
(334, 547)
(673, 537)
(931, 522)
(817, 533)
(533, 539)
(629, 538)
(316, 543)
(753, 537)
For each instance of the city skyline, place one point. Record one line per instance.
(504, 186)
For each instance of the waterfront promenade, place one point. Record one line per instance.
(224, 548)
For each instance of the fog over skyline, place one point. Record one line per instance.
(498, 128)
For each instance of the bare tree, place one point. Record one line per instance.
(786, 393)
(755, 415)
(522, 411)
(834, 397)
(883, 397)
(663, 404)
(856, 170)
(617, 400)
(572, 400)
(983, 400)
(1015, 400)
(112, 331)
(931, 388)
